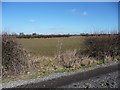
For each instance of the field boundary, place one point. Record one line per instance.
(65, 78)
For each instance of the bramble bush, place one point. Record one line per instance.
(101, 46)
(14, 57)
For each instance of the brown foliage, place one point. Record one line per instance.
(101, 46)
(14, 57)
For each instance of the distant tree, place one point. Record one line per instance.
(21, 34)
(34, 34)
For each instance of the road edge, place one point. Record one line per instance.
(66, 78)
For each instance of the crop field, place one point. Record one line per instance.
(52, 55)
(51, 46)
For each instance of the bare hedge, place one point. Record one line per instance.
(101, 46)
(14, 57)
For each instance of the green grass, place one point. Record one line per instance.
(51, 46)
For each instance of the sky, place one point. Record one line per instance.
(59, 17)
(60, 0)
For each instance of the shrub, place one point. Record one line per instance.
(118, 44)
(14, 57)
(101, 46)
(69, 59)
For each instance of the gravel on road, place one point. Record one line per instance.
(109, 80)
(59, 79)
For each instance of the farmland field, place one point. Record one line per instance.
(51, 46)
(52, 55)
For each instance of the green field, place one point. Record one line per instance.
(51, 46)
(44, 53)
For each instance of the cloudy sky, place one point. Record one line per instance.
(60, 17)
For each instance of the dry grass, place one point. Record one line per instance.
(14, 57)
(71, 59)
(64, 54)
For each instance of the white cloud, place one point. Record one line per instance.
(84, 13)
(32, 20)
(76, 12)
(73, 10)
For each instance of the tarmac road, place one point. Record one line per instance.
(101, 76)
(109, 80)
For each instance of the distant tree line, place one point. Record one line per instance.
(35, 35)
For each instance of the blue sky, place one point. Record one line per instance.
(59, 17)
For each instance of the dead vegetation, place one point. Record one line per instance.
(16, 60)
(97, 49)
(71, 59)
(14, 57)
(100, 47)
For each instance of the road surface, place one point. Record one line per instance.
(110, 80)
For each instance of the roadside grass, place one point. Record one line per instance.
(45, 71)
(44, 60)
